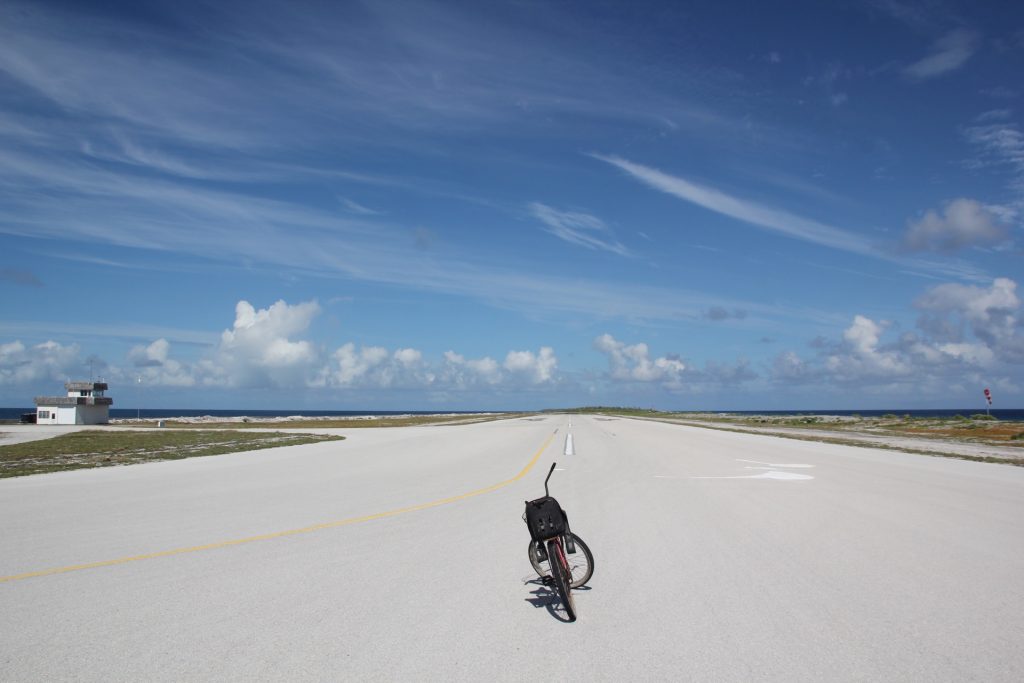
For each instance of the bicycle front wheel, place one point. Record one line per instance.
(560, 573)
(581, 563)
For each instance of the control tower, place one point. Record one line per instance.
(84, 404)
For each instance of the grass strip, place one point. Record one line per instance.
(106, 448)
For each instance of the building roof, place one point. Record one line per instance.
(85, 386)
(74, 401)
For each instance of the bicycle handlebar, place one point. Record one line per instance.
(548, 477)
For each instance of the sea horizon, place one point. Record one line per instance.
(14, 414)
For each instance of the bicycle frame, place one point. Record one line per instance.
(556, 553)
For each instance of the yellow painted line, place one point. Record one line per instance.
(288, 532)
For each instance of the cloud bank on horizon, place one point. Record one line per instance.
(438, 205)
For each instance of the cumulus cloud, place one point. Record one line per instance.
(789, 367)
(537, 367)
(632, 362)
(258, 349)
(992, 313)
(861, 356)
(155, 367)
(461, 373)
(947, 54)
(374, 366)
(352, 365)
(964, 331)
(154, 355)
(47, 361)
(266, 348)
(578, 228)
(408, 357)
(962, 223)
(970, 354)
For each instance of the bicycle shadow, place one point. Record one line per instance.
(545, 595)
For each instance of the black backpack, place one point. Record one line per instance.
(545, 518)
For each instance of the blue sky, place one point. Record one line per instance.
(460, 205)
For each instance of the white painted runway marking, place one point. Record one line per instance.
(772, 464)
(780, 476)
(771, 472)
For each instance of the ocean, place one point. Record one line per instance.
(9, 414)
(999, 413)
(13, 414)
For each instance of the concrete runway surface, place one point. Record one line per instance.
(719, 556)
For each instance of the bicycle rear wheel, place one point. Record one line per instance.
(581, 563)
(560, 573)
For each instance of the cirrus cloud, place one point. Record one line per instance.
(948, 53)
(578, 228)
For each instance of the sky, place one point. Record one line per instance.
(513, 205)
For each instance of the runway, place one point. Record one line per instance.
(399, 554)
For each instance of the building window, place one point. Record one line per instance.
(44, 415)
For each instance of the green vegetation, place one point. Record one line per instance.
(104, 448)
(623, 412)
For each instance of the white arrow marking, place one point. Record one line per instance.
(780, 476)
(772, 464)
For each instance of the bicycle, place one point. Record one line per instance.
(551, 544)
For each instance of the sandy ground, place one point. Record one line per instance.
(12, 434)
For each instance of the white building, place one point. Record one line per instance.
(85, 404)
